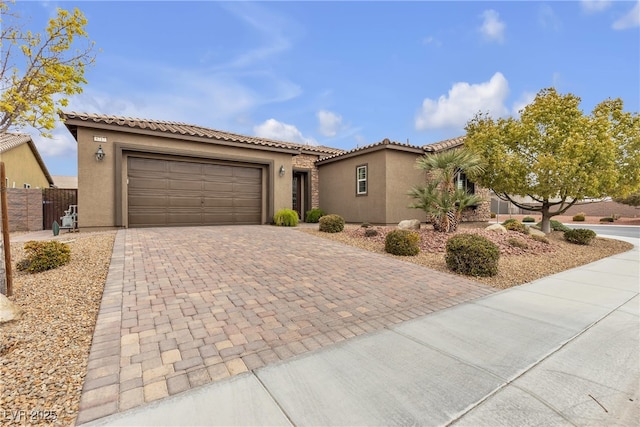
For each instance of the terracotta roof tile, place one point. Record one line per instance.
(384, 142)
(179, 128)
(444, 145)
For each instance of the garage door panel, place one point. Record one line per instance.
(165, 192)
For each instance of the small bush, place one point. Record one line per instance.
(555, 225)
(370, 232)
(402, 242)
(580, 236)
(606, 219)
(579, 217)
(539, 238)
(365, 225)
(517, 243)
(515, 225)
(42, 256)
(313, 215)
(528, 219)
(493, 214)
(331, 223)
(286, 218)
(472, 255)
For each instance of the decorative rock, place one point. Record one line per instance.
(8, 310)
(536, 232)
(498, 228)
(409, 224)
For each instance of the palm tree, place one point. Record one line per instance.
(440, 198)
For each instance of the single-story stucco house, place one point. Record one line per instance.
(24, 166)
(143, 173)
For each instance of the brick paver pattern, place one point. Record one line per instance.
(183, 307)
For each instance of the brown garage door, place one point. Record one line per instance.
(172, 193)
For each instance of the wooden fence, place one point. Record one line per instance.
(54, 202)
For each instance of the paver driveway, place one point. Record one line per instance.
(183, 307)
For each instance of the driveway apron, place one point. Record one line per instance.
(184, 307)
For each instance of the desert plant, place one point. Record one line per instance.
(402, 242)
(313, 215)
(286, 218)
(606, 219)
(517, 243)
(555, 225)
(579, 216)
(493, 214)
(515, 225)
(42, 256)
(365, 225)
(370, 232)
(472, 255)
(331, 223)
(528, 219)
(580, 236)
(539, 238)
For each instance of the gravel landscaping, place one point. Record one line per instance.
(43, 356)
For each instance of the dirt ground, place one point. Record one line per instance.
(569, 219)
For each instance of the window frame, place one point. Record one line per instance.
(364, 180)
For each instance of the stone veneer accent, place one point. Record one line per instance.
(307, 161)
(24, 209)
(482, 212)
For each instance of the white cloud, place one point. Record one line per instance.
(492, 27)
(547, 18)
(594, 6)
(431, 41)
(274, 129)
(463, 101)
(630, 20)
(329, 122)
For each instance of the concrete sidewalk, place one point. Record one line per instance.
(562, 350)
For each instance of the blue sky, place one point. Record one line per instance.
(344, 74)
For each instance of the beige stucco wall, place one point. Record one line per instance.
(22, 167)
(337, 185)
(401, 177)
(102, 196)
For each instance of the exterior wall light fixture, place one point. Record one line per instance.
(281, 171)
(100, 154)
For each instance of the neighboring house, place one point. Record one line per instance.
(65, 182)
(370, 183)
(141, 173)
(23, 165)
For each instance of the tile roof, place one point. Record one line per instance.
(178, 128)
(384, 143)
(444, 145)
(9, 141)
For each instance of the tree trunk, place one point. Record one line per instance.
(546, 219)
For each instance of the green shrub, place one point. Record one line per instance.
(314, 215)
(606, 219)
(515, 225)
(580, 236)
(402, 242)
(539, 238)
(517, 243)
(42, 256)
(331, 223)
(528, 219)
(472, 255)
(365, 225)
(286, 218)
(370, 232)
(579, 217)
(555, 225)
(493, 214)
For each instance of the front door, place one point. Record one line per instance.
(297, 200)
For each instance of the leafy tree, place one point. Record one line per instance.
(440, 198)
(557, 155)
(39, 71)
(631, 199)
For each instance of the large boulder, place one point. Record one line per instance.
(8, 310)
(409, 224)
(536, 232)
(498, 228)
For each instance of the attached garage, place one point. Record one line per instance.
(166, 192)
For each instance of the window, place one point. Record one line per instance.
(361, 180)
(461, 182)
